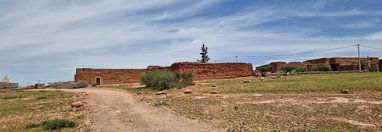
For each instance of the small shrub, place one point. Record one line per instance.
(184, 79)
(57, 124)
(288, 69)
(321, 67)
(165, 79)
(159, 79)
(301, 69)
(264, 69)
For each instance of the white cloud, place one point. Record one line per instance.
(376, 36)
(360, 25)
(45, 35)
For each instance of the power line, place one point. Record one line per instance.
(225, 58)
(296, 54)
(371, 47)
(303, 53)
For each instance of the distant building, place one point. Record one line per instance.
(345, 63)
(5, 85)
(336, 63)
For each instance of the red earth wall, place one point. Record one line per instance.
(109, 76)
(201, 71)
(207, 71)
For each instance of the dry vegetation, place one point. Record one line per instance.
(298, 103)
(28, 110)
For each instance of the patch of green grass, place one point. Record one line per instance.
(42, 97)
(19, 108)
(335, 126)
(7, 97)
(299, 83)
(58, 124)
(142, 90)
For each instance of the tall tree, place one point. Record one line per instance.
(204, 55)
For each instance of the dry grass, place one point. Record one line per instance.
(297, 103)
(21, 110)
(299, 83)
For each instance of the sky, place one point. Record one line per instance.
(47, 40)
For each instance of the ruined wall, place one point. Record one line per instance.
(348, 68)
(336, 63)
(296, 64)
(352, 60)
(277, 66)
(206, 71)
(318, 61)
(109, 76)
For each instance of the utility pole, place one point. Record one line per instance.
(237, 58)
(359, 58)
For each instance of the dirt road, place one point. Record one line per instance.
(117, 110)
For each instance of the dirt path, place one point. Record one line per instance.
(117, 110)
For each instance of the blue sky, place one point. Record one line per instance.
(48, 39)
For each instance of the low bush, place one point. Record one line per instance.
(321, 67)
(288, 69)
(58, 124)
(264, 69)
(301, 69)
(184, 79)
(165, 79)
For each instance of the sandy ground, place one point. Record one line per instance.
(116, 110)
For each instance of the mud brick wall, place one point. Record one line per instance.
(277, 66)
(109, 76)
(352, 60)
(380, 65)
(348, 68)
(318, 61)
(296, 64)
(207, 71)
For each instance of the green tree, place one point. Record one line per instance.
(288, 69)
(321, 67)
(204, 56)
(264, 69)
(301, 69)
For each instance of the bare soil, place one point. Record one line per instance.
(117, 110)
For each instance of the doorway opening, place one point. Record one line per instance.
(98, 81)
(335, 67)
